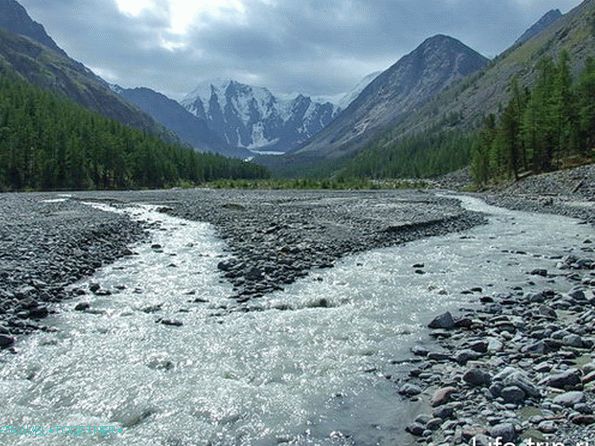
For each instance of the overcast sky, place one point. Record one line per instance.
(317, 47)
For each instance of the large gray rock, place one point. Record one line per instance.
(444, 321)
(565, 380)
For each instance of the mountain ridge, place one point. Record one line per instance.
(14, 18)
(176, 118)
(431, 67)
(31, 59)
(545, 21)
(254, 118)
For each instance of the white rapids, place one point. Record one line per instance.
(293, 373)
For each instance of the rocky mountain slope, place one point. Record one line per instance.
(432, 67)
(549, 18)
(483, 93)
(172, 115)
(27, 52)
(14, 18)
(352, 95)
(253, 118)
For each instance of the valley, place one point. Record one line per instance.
(261, 223)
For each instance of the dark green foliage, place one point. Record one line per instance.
(418, 156)
(540, 128)
(47, 142)
(318, 184)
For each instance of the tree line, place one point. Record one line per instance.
(541, 128)
(417, 156)
(48, 142)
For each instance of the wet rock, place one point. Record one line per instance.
(444, 321)
(410, 390)
(463, 357)
(418, 350)
(6, 341)
(82, 306)
(415, 429)
(512, 395)
(505, 431)
(583, 420)
(444, 412)
(171, 322)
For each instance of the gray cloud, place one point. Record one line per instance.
(318, 47)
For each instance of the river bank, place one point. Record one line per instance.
(49, 241)
(289, 236)
(516, 364)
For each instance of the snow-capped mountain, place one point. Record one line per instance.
(252, 117)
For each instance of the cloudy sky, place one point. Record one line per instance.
(317, 47)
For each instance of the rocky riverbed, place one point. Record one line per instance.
(568, 192)
(519, 366)
(47, 243)
(513, 364)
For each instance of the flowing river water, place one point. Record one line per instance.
(301, 371)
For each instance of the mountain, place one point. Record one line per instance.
(428, 134)
(352, 95)
(436, 64)
(253, 118)
(26, 51)
(484, 93)
(172, 115)
(14, 18)
(544, 22)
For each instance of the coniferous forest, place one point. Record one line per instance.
(540, 128)
(49, 143)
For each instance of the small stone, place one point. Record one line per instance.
(410, 390)
(583, 420)
(477, 377)
(567, 379)
(6, 341)
(547, 427)
(505, 431)
(415, 429)
(569, 399)
(443, 412)
(418, 350)
(171, 322)
(513, 395)
(442, 396)
(82, 306)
